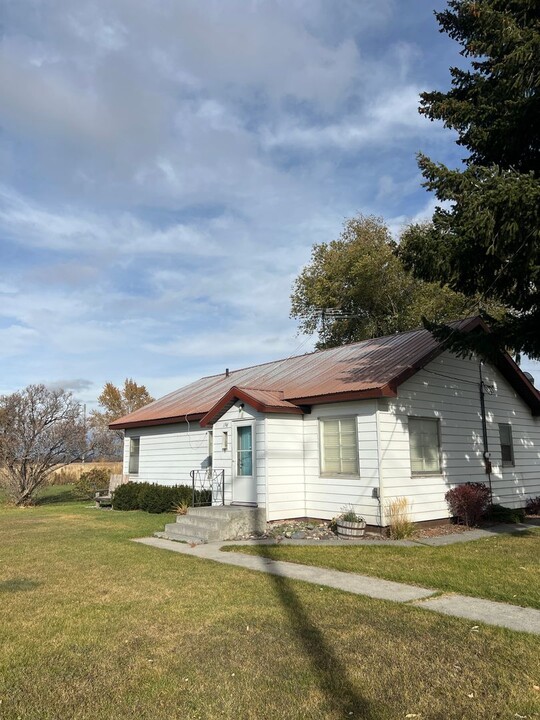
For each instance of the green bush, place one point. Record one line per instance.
(126, 497)
(501, 514)
(154, 498)
(90, 482)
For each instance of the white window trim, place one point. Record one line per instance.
(130, 471)
(426, 473)
(507, 463)
(244, 423)
(327, 474)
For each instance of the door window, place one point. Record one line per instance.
(244, 451)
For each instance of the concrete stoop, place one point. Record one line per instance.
(205, 524)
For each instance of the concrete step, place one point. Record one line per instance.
(200, 530)
(177, 537)
(227, 511)
(216, 523)
(211, 523)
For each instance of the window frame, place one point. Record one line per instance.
(330, 473)
(241, 424)
(512, 461)
(134, 459)
(210, 447)
(426, 473)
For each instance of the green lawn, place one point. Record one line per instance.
(504, 567)
(95, 627)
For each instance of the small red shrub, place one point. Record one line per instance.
(532, 506)
(468, 502)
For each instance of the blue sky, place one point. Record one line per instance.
(167, 166)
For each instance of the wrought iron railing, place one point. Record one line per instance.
(208, 487)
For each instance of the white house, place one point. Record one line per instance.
(397, 416)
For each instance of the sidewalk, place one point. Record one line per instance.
(476, 609)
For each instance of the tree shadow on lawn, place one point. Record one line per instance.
(330, 671)
(19, 585)
(60, 496)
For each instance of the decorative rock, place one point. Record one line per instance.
(298, 535)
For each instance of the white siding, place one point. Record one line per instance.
(285, 466)
(326, 496)
(168, 453)
(224, 459)
(448, 389)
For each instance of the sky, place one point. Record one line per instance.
(166, 168)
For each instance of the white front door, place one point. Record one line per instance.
(244, 479)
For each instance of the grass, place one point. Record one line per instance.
(504, 568)
(94, 627)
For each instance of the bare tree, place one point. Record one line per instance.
(40, 429)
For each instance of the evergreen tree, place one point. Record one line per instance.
(486, 239)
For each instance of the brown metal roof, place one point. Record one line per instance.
(371, 368)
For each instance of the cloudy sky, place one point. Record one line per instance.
(167, 166)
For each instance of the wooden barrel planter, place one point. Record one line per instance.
(348, 529)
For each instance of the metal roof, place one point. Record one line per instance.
(370, 368)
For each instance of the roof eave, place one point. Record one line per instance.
(190, 417)
(346, 395)
(236, 393)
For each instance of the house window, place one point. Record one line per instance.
(425, 446)
(134, 447)
(507, 445)
(210, 447)
(339, 446)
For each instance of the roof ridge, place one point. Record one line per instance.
(324, 350)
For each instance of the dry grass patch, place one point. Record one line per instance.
(69, 474)
(94, 627)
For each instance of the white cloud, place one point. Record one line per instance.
(16, 340)
(387, 120)
(124, 234)
(168, 166)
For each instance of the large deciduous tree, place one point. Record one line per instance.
(356, 288)
(115, 403)
(41, 429)
(486, 237)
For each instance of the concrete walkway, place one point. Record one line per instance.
(476, 609)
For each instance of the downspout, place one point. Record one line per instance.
(380, 490)
(486, 453)
(304, 461)
(267, 496)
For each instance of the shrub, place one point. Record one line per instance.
(532, 506)
(90, 482)
(468, 502)
(501, 514)
(154, 498)
(400, 525)
(126, 497)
